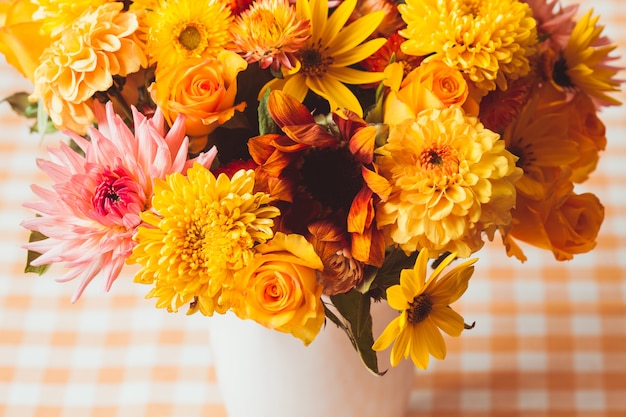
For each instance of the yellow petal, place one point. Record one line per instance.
(388, 335)
(447, 320)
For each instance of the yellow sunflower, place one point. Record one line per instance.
(489, 40)
(583, 64)
(201, 231)
(322, 63)
(424, 309)
(178, 30)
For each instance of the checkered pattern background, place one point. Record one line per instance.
(550, 338)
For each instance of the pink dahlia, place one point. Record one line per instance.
(94, 206)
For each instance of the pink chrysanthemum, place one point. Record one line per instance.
(94, 206)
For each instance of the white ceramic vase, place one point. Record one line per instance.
(265, 373)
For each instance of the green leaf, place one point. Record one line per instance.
(354, 307)
(42, 119)
(389, 273)
(50, 128)
(266, 123)
(21, 105)
(31, 255)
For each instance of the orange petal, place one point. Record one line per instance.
(369, 247)
(361, 211)
(287, 111)
(362, 144)
(311, 135)
(377, 183)
(261, 148)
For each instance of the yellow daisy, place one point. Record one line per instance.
(201, 230)
(424, 309)
(322, 63)
(178, 30)
(489, 40)
(583, 64)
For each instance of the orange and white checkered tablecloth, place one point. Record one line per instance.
(550, 338)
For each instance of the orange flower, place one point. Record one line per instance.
(83, 61)
(433, 84)
(279, 288)
(589, 132)
(341, 271)
(346, 186)
(20, 39)
(202, 90)
(566, 223)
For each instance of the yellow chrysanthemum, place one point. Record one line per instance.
(58, 15)
(323, 61)
(83, 60)
(269, 33)
(451, 179)
(489, 40)
(178, 30)
(583, 64)
(424, 309)
(201, 230)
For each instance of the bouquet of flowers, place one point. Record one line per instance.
(295, 161)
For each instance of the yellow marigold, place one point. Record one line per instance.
(201, 230)
(269, 33)
(178, 30)
(83, 60)
(451, 179)
(489, 40)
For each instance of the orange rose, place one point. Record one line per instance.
(566, 223)
(446, 83)
(20, 39)
(279, 288)
(431, 85)
(203, 90)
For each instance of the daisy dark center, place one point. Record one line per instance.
(331, 176)
(419, 308)
(439, 158)
(114, 193)
(314, 61)
(190, 37)
(525, 154)
(559, 74)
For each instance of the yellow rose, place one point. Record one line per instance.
(203, 90)
(20, 39)
(279, 288)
